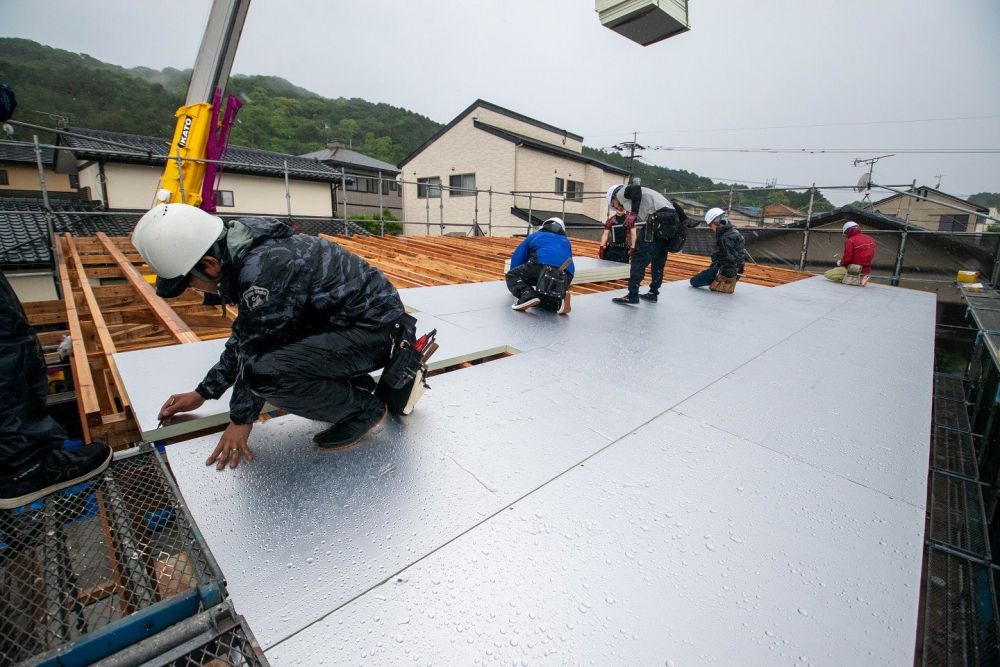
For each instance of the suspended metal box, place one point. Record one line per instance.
(644, 21)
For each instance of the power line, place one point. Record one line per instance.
(829, 151)
(786, 127)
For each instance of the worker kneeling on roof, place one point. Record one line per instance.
(855, 266)
(541, 269)
(728, 259)
(313, 321)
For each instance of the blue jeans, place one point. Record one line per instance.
(705, 278)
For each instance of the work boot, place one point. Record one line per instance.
(526, 301)
(649, 296)
(347, 433)
(627, 300)
(58, 470)
(564, 306)
(363, 382)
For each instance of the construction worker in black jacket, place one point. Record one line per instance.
(655, 227)
(313, 321)
(730, 248)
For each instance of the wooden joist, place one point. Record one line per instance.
(174, 324)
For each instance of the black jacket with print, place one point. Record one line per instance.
(289, 286)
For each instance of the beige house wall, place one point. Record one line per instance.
(927, 214)
(505, 167)
(22, 176)
(461, 150)
(134, 186)
(32, 286)
(527, 129)
(89, 176)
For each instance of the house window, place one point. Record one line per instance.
(429, 188)
(74, 181)
(3, 177)
(574, 190)
(954, 223)
(393, 186)
(224, 198)
(559, 187)
(462, 185)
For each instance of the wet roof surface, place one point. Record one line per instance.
(706, 480)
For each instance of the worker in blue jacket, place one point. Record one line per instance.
(547, 247)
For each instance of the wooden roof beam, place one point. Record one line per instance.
(170, 319)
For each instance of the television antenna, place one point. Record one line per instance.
(865, 182)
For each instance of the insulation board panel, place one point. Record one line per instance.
(686, 482)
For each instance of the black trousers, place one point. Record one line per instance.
(311, 377)
(647, 252)
(27, 433)
(523, 279)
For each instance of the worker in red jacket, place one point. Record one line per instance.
(859, 248)
(855, 265)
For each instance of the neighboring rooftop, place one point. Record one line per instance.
(342, 156)
(552, 149)
(25, 154)
(141, 149)
(483, 104)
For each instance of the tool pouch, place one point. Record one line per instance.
(616, 253)
(724, 285)
(553, 281)
(404, 374)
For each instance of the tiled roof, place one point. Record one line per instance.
(140, 149)
(782, 211)
(345, 157)
(24, 227)
(571, 219)
(24, 153)
(547, 148)
(923, 190)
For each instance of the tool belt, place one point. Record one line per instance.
(402, 380)
(552, 281)
(666, 225)
(723, 284)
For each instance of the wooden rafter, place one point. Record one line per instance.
(170, 319)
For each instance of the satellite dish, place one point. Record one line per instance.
(864, 183)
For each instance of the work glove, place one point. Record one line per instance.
(600, 252)
(631, 251)
(630, 221)
(838, 263)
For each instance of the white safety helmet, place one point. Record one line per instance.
(555, 225)
(848, 225)
(712, 214)
(611, 194)
(173, 238)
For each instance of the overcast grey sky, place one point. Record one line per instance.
(817, 73)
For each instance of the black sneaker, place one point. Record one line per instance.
(347, 433)
(648, 296)
(526, 302)
(627, 300)
(363, 382)
(60, 469)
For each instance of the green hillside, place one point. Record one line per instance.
(55, 87)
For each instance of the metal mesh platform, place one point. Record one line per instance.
(949, 386)
(954, 451)
(77, 566)
(960, 613)
(956, 515)
(951, 414)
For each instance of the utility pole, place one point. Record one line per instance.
(631, 147)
